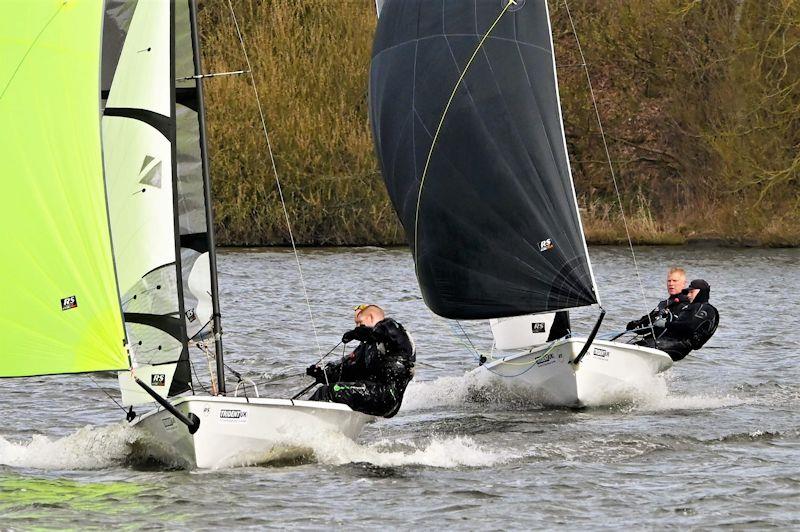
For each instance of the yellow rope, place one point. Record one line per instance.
(441, 121)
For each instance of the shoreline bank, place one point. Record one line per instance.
(696, 242)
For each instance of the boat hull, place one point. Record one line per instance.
(609, 373)
(236, 431)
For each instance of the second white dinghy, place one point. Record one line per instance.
(565, 372)
(465, 112)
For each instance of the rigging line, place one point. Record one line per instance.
(475, 349)
(610, 165)
(441, 121)
(329, 352)
(197, 378)
(107, 394)
(275, 172)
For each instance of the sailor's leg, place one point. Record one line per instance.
(321, 394)
(647, 341)
(366, 397)
(676, 349)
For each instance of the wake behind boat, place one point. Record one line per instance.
(465, 112)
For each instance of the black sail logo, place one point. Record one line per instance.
(69, 302)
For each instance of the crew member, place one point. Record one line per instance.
(691, 327)
(372, 378)
(676, 280)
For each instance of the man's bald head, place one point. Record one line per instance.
(369, 315)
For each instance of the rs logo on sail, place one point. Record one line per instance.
(69, 302)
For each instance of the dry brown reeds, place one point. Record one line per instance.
(310, 62)
(700, 103)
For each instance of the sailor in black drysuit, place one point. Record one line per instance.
(691, 326)
(373, 378)
(665, 309)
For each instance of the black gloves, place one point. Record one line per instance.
(362, 333)
(316, 372)
(632, 325)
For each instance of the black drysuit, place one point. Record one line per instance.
(662, 312)
(373, 378)
(690, 328)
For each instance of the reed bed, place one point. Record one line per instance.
(699, 102)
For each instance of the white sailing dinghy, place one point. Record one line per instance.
(466, 118)
(71, 301)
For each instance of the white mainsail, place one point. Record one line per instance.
(138, 138)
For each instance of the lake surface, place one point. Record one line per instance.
(716, 443)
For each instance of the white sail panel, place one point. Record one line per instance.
(197, 297)
(146, 51)
(139, 183)
(139, 142)
(159, 378)
(520, 332)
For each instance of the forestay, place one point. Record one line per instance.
(59, 306)
(465, 114)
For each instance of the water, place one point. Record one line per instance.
(715, 443)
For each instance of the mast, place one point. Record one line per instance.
(212, 250)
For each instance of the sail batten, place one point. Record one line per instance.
(466, 120)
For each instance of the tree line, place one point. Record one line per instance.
(699, 102)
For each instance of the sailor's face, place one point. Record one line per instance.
(692, 294)
(675, 283)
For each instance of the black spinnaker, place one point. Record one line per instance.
(489, 208)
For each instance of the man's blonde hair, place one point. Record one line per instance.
(677, 270)
(370, 308)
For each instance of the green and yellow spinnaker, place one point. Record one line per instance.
(59, 304)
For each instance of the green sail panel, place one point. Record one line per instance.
(59, 304)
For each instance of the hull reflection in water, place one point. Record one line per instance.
(609, 373)
(237, 431)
